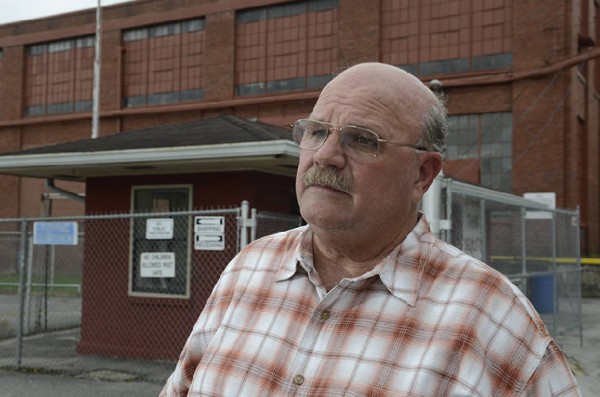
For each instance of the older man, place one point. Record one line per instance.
(364, 300)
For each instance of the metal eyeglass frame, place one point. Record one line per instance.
(340, 127)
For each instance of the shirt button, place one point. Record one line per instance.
(298, 380)
(325, 315)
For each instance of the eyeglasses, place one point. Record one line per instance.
(311, 135)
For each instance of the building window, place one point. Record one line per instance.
(160, 245)
(163, 64)
(60, 77)
(446, 37)
(286, 47)
(487, 138)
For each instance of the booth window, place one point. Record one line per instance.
(160, 242)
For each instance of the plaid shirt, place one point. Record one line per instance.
(427, 321)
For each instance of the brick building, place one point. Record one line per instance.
(521, 77)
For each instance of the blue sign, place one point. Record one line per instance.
(55, 233)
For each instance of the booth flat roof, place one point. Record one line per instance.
(222, 143)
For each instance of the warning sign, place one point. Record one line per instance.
(157, 264)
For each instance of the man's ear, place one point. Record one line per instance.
(430, 167)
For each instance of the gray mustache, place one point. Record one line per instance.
(326, 177)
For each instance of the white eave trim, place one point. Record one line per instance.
(178, 153)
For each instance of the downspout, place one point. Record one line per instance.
(70, 195)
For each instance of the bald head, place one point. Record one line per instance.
(392, 94)
(381, 78)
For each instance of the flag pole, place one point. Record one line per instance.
(96, 90)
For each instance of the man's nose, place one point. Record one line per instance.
(331, 153)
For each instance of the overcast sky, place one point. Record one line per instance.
(20, 10)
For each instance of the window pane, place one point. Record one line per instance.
(163, 63)
(488, 137)
(286, 47)
(59, 76)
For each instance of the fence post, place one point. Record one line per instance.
(28, 285)
(578, 263)
(483, 231)
(432, 203)
(244, 231)
(22, 276)
(523, 241)
(554, 277)
(253, 224)
(449, 198)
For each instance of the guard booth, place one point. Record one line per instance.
(162, 219)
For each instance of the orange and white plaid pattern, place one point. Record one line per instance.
(427, 321)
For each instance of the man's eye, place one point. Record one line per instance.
(363, 139)
(316, 133)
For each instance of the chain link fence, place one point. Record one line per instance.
(131, 285)
(536, 247)
(40, 287)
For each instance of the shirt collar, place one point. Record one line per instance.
(301, 261)
(400, 271)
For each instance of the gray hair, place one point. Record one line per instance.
(435, 127)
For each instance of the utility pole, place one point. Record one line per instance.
(96, 92)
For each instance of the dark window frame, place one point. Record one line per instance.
(487, 137)
(177, 198)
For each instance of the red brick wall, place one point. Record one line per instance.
(11, 84)
(545, 110)
(219, 56)
(359, 32)
(540, 112)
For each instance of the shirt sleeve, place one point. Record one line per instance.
(553, 376)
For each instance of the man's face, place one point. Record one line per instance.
(381, 191)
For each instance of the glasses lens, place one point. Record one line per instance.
(310, 134)
(359, 140)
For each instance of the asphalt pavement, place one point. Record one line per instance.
(584, 353)
(50, 367)
(57, 371)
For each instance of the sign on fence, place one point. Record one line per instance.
(55, 233)
(157, 264)
(209, 233)
(546, 198)
(159, 229)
